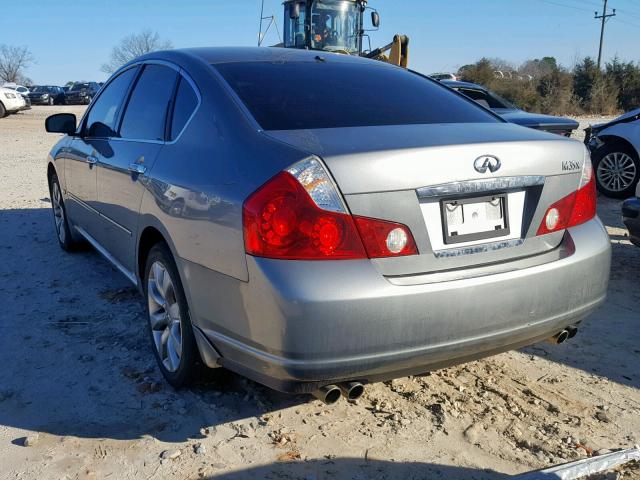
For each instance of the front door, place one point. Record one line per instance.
(80, 182)
(86, 151)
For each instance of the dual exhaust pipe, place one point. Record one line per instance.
(563, 335)
(330, 394)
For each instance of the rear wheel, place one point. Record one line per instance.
(617, 170)
(170, 329)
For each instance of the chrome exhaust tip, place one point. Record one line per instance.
(560, 337)
(352, 390)
(328, 394)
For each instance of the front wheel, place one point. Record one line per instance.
(3, 111)
(617, 170)
(60, 219)
(50, 101)
(172, 338)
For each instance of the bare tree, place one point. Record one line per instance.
(133, 46)
(13, 62)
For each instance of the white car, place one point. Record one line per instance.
(10, 101)
(615, 152)
(22, 90)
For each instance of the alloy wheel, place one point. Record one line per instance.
(58, 213)
(616, 171)
(164, 316)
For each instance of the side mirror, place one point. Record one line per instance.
(375, 19)
(294, 11)
(61, 123)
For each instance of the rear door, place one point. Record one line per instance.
(84, 151)
(122, 174)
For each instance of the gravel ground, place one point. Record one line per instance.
(81, 398)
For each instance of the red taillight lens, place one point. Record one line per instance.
(385, 239)
(574, 209)
(282, 221)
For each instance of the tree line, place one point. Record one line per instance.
(542, 85)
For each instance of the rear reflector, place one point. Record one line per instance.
(385, 239)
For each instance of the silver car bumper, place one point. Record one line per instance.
(298, 325)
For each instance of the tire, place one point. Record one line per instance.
(169, 324)
(51, 101)
(60, 218)
(3, 111)
(617, 170)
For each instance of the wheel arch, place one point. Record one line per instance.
(151, 231)
(611, 139)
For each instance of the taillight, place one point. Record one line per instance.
(576, 208)
(299, 215)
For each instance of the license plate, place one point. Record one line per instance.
(471, 219)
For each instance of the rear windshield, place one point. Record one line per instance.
(308, 95)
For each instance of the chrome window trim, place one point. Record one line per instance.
(480, 186)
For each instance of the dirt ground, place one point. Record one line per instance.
(81, 398)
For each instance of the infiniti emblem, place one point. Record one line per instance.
(486, 162)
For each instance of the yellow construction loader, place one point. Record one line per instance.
(338, 26)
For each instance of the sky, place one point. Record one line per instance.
(71, 39)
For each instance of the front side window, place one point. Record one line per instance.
(146, 113)
(307, 95)
(103, 114)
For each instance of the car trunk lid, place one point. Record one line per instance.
(471, 194)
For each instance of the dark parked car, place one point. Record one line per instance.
(511, 113)
(47, 95)
(285, 220)
(82, 93)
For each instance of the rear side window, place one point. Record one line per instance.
(307, 95)
(102, 116)
(146, 113)
(186, 102)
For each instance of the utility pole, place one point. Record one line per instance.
(605, 16)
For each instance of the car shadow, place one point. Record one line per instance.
(77, 361)
(349, 468)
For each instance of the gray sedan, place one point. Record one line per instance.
(285, 219)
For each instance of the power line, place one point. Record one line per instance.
(550, 2)
(604, 17)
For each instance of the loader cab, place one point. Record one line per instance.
(330, 25)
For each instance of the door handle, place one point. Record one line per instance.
(137, 168)
(91, 160)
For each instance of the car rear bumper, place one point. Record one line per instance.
(300, 325)
(631, 218)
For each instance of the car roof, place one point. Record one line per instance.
(459, 84)
(217, 55)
